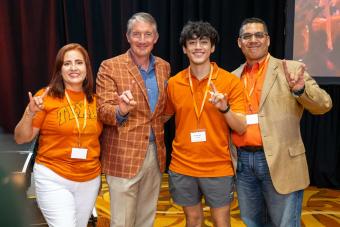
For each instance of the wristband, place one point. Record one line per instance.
(299, 92)
(29, 113)
(225, 111)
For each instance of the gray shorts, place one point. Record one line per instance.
(188, 191)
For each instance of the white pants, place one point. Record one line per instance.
(64, 203)
(133, 202)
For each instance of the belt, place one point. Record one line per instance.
(251, 148)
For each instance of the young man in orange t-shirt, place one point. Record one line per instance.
(207, 102)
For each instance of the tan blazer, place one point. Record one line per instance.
(279, 119)
(124, 145)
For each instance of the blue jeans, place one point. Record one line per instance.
(259, 202)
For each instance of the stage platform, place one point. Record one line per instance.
(321, 207)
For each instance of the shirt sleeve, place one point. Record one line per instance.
(169, 108)
(121, 119)
(236, 97)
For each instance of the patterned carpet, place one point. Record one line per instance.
(321, 207)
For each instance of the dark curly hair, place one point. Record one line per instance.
(198, 29)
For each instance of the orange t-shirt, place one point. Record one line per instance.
(252, 78)
(59, 134)
(210, 158)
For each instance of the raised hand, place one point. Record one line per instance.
(36, 103)
(295, 81)
(218, 99)
(126, 101)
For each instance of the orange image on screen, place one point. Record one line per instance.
(317, 36)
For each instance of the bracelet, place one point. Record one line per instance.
(299, 92)
(225, 111)
(29, 113)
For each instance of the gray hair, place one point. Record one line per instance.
(141, 16)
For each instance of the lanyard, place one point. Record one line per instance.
(256, 77)
(76, 117)
(198, 113)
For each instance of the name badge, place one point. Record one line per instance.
(79, 153)
(198, 136)
(252, 119)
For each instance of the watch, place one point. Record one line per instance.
(299, 92)
(225, 111)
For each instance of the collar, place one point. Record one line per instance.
(214, 75)
(152, 61)
(256, 66)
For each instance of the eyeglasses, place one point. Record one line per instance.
(257, 35)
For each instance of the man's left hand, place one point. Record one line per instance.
(295, 81)
(218, 99)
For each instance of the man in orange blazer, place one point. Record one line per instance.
(272, 168)
(131, 98)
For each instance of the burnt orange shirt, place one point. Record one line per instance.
(210, 158)
(59, 133)
(252, 78)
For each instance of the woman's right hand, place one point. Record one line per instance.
(36, 103)
(24, 132)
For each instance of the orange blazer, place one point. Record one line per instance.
(124, 146)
